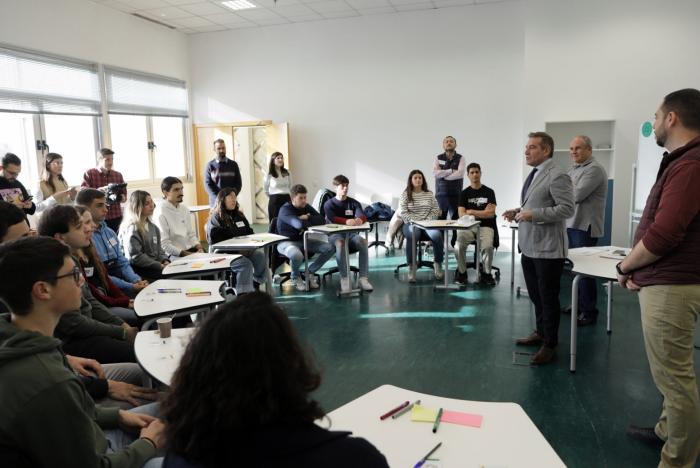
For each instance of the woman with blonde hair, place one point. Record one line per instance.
(140, 237)
(53, 188)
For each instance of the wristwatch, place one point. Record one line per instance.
(619, 270)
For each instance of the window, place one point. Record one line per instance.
(74, 138)
(130, 145)
(169, 140)
(17, 136)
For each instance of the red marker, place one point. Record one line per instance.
(395, 410)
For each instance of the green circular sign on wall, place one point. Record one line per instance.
(647, 128)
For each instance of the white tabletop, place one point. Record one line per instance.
(507, 437)
(339, 228)
(160, 357)
(200, 263)
(444, 224)
(196, 208)
(598, 262)
(150, 302)
(253, 241)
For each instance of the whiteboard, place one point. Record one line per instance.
(648, 159)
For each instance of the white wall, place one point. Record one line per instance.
(86, 30)
(372, 97)
(600, 60)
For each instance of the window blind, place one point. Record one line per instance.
(135, 93)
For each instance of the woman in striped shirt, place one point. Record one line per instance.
(417, 203)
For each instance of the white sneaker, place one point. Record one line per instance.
(344, 285)
(439, 274)
(313, 282)
(411, 276)
(365, 285)
(300, 285)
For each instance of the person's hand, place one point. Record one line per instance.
(130, 332)
(131, 304)
(200, 248)
(164, 263)
(154, 431)
(185, 253)
(632, 286)
(359, 222)
(469, 212)
(26, 204)
(134, 422)
(350, 222)
(524, 215)
(509, 215)
(139, 285)
(304, 217)
(123, 391)
(86, 367)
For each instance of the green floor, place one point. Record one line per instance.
(460, 345)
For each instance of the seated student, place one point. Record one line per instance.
(140, 238)
(342, 209)
(417, 203)
(11, 189)
(226, 221)
(106, 243)
(174, 220)
(268, 420)
(479, 201)
(97, 279)
(92, 331)
(294, 217)
(47, 419)
(113, 384)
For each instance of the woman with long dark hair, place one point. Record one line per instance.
(277, 184)
(417, 203)
(53, 188)
(241, 397)
(226, 221)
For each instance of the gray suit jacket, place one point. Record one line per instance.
(551, 199)
(590, 190)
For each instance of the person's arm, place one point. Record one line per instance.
(162, 222)
(434, 209)
(42, 202)
(87, 180)
(315, 218)
(192, 237)
(287, 216)
(403, 208)
(58, 431)
(237, 180)
(562, 192)
(31, 208)
(108, 299)
(99, 311)
(359, 214)
(593, 176)
(459, 173)
(76, 325)
(209, 183)
(330, 213)
(134, 244)
(438, 171)
(162, 255)
(266, 184)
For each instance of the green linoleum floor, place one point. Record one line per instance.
(460, 345)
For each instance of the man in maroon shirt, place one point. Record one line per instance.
(99, 178)
(664, 266)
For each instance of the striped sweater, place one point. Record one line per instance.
(423, 207)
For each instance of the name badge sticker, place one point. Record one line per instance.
(89, 271)
(441, 162)
(240, 224)
(113, 242)
(348, 212)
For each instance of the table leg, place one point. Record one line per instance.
(512, 258)
(346, 252)
(574, 321)
(268, 274)
(413, 249)
(478, 253)
(446, 271)
(610, 290)
(306, 263)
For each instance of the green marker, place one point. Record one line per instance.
(437, 421)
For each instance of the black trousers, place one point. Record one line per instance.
(275, 203)
(542, 277)
(104, 349)
(114, 223)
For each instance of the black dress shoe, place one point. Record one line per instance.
(533, 340)
(646, 435)
(487, 279)
(585, 320)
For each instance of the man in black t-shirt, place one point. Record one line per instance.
(479, 201)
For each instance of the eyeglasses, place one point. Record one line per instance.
(75, 274)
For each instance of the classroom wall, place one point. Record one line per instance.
(373, 97)
(90, 31)
(600, 60)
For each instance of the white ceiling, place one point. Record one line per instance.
(198, 16)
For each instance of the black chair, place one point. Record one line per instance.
(420, 263)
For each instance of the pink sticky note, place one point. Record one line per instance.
(464, 419)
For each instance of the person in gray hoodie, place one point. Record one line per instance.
(47, 419)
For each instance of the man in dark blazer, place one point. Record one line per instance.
(547, 200)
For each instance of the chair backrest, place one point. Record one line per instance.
(322, 196)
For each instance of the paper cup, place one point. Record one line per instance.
(165, 327)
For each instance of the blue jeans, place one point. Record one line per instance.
(356, 243)
(587, 287)
(433, 235)
(257, 258)
(294, 251)
(118, 439)
(243, 269)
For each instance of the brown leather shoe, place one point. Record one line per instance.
(543, 356)
(533, 340)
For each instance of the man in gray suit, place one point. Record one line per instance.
(546, 201)
(586, 226)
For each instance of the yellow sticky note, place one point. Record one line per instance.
(197, 265)
(422, 414)
(194, 290)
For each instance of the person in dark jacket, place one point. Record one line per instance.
(226, 221)
(225, 409)
(47, 419)
(221, 172)
(11, 189)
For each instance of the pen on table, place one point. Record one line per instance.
(398, 408)
(405, 410)
(167, 290)
(422, 460)
(437, 421)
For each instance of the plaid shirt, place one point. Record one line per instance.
(95, 178)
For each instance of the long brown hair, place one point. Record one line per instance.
(92, 256)
(409, 184)
(272, 169)
(219, 208)
(46, 175)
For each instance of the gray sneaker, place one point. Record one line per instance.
(300, 284)
(439, 273)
